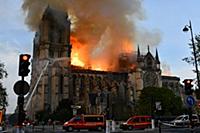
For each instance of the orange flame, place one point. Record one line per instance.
(127, 46)
(75, 59)
(80, 55)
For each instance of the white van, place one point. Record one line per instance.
(183, 120)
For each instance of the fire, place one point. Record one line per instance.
(81, 55)
(127, 46)
(75, 55)
(76, 61)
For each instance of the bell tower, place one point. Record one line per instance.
(53, 36)
(51, 42)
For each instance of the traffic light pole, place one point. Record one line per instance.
(21, 114)
(189, 100)
(20, 103)
(190, 117)
(21, 88)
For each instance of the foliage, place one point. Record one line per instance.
(3, 72)
(170, 103)
(190, 60)
(12, 119)
(42, 116)
(119, 113)
(3, 94)
(197, 92)
(62, 113)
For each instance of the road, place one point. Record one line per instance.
(58, 129)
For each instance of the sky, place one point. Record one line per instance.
(165, 17)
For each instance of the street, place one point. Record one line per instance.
(58, 129)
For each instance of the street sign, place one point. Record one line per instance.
(158, 106)
(190, 101)
(21, 87)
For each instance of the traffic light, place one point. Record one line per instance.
(24, 64)
(188, 86)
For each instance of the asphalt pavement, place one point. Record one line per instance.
(58, 129)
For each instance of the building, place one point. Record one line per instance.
(94, 91)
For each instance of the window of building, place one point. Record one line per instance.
(51, 33)
(51, 53)
(61, 84)
(149, 62)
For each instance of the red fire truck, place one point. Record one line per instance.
(90, 122)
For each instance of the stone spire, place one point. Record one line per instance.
(157, 57)
(138, 54)
(138, 51)
(148, 48)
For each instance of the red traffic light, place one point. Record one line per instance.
(24, 64)
(25, 57)
(187, 81)
(188, 86)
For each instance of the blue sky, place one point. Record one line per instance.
(170, 17)
(166, 17)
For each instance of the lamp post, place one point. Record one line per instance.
(185, 29)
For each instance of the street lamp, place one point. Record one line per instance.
(186, 29)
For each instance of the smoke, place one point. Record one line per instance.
(146, 37)
(105, 28)
(166, 69)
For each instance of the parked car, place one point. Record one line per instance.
(184, 121)
(137, 122)
(28, 123)
(90, 122)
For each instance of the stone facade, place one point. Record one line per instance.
(95, 91)
(173, 83)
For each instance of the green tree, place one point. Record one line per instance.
(190, 60)
(3, 94)
(170, 103)
(62, 113)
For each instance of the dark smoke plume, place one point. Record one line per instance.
(102, 26)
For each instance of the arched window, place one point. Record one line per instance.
(149, 62)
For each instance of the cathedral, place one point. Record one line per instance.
(94, 91)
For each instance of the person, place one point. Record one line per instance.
(3, 125)
(49, 121)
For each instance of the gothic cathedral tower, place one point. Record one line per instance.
(150, 66)
(51, 47)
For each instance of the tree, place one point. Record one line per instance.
(3, 94)
(190, 60)
(170, 103)
(62, 113)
